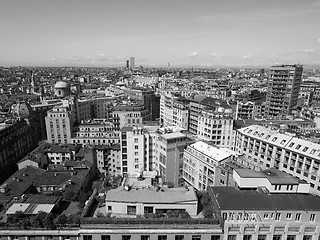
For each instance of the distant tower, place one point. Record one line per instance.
(127, 64)
(283, 89)
(132, 62)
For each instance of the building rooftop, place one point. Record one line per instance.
(273, 137)
(274, 176)
(211, 151)
(230, 198)
(152, 195)
(19, 182)
(30, 208)
(173, 135)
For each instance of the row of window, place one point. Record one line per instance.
(160, 237)
(274, 237)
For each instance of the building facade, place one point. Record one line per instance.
(283, 89)
(265, 148)
(205, 165)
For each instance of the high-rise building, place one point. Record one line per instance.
(132, 62)
(151, 148)
(283, 89)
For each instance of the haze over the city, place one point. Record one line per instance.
(179, 32)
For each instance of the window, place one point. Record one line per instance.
(196, 237)
(274, 139)
(105, 237)
(266, 216)
(312, 217)
(262, 237)
(288, 216)
(307, 237)
(215, 237)
(136, 153)
(87, 237)
(109, 208)
(131, 210)
(148, 210)
(247, 237)
(298, 146)
(162, 237)
(277, 218)
(126, 237)
(178, 237)
(276, 237)
(291, 237)
(298, 216)
(305, 149)
(145, 237)
(291, 144)
(136, 147)
(232, 237)
(136, 140)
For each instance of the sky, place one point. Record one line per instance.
(158, 32)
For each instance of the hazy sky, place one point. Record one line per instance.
(157, 32)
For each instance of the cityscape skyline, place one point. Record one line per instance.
(209, 33)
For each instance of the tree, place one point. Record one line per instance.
(48, 221)
(69, 195)
(73, 219)
(17, 217)
(100, 214)
(38, 219)
(184, 214)
(62, 219)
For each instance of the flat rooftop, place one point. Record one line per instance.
(211, 151)
(151, 195)
(173, 135)
(230, 198)
(274, 176)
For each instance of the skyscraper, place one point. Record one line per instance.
(283, 89)
(132, 62)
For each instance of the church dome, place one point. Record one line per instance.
(62, 84)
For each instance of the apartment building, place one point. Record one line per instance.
(136, 150)
(283, 89)
(196, 106)
(100, 108)
(95, 132)
(174, 111)
(245, 110)
(147, 97)
(260, 215)
(216, 127)
(265, 148)
(206, 165)
(129, 115)
(59, 122)
(151, 148)
(108, 159)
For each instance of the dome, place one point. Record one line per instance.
(21, 109)
(62, 84)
